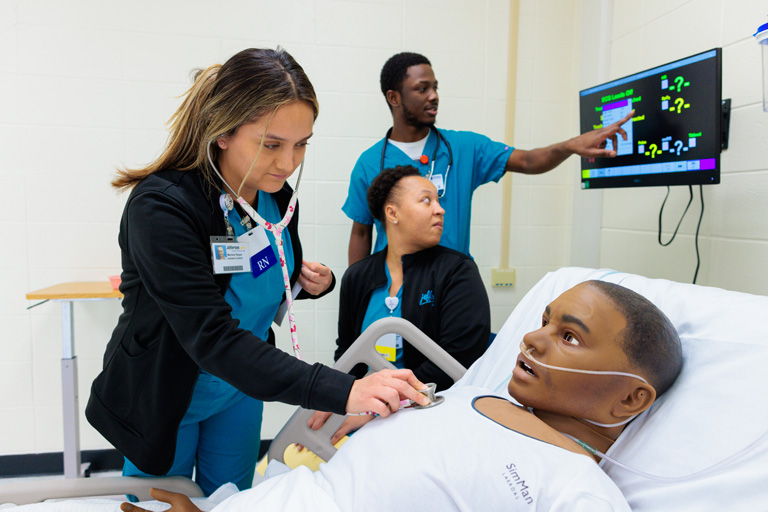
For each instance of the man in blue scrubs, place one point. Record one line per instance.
(457, 162)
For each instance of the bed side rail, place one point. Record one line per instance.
(362, 351)
(23, 492)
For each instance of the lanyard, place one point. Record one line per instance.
(277, 232)
(434, 157)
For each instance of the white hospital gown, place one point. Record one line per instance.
(449, 457)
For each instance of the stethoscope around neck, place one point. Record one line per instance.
(434, 155)
(277, 232)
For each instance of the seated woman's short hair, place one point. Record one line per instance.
(382, 189)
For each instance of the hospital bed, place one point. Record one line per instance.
(706, 435)
(362, 351)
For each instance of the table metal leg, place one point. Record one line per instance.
(71, 418)
(72, 466)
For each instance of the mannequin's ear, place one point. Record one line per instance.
(393, 98)
(635, 401)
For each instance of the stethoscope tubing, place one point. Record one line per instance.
(277, 232)
(440, 138)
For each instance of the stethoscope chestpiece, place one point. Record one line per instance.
(429, 392)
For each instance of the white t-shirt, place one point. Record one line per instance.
(412, 149)
(449, 457)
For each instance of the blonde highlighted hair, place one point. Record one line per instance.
(251, 84)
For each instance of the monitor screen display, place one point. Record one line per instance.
(674, 135)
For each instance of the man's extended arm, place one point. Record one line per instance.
(591, 144)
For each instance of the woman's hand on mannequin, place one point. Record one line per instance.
(315, 277)
(381, 392)
(178, 502)
(351, 424)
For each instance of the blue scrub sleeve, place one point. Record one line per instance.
(356, 205)
(490, 160)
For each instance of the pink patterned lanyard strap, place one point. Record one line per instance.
(277, 232)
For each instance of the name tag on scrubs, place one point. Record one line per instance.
(437, 181)
(387, 346)
(229, 256)
(260, 252)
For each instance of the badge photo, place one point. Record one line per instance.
(229, 256)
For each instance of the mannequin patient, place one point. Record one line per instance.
(481, 452)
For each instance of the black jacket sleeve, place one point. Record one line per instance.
(174, 266)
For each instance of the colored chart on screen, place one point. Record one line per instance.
(673, 137)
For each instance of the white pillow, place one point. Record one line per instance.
(715, 409)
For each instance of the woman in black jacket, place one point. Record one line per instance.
(193, 352)
(437, 289)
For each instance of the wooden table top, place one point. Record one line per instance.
(77, 290)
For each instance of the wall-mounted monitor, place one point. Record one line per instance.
(674, 137)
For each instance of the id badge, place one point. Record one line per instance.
(229, 256)
(437, 181)
(387, 346)
(260, 253)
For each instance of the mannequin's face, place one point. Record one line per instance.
(581, 329)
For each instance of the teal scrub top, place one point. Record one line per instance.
(476, 160)
(377, 309)
(255, 300)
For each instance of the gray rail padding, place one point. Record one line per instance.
(23, 492)
(363, 350)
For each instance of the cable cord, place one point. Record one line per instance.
(696, 240)
(690, 200)
(714, 468)
(698, 226)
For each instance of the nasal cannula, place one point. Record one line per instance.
(529, 353)
(674, 479)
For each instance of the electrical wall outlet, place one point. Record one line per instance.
(503, 277)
